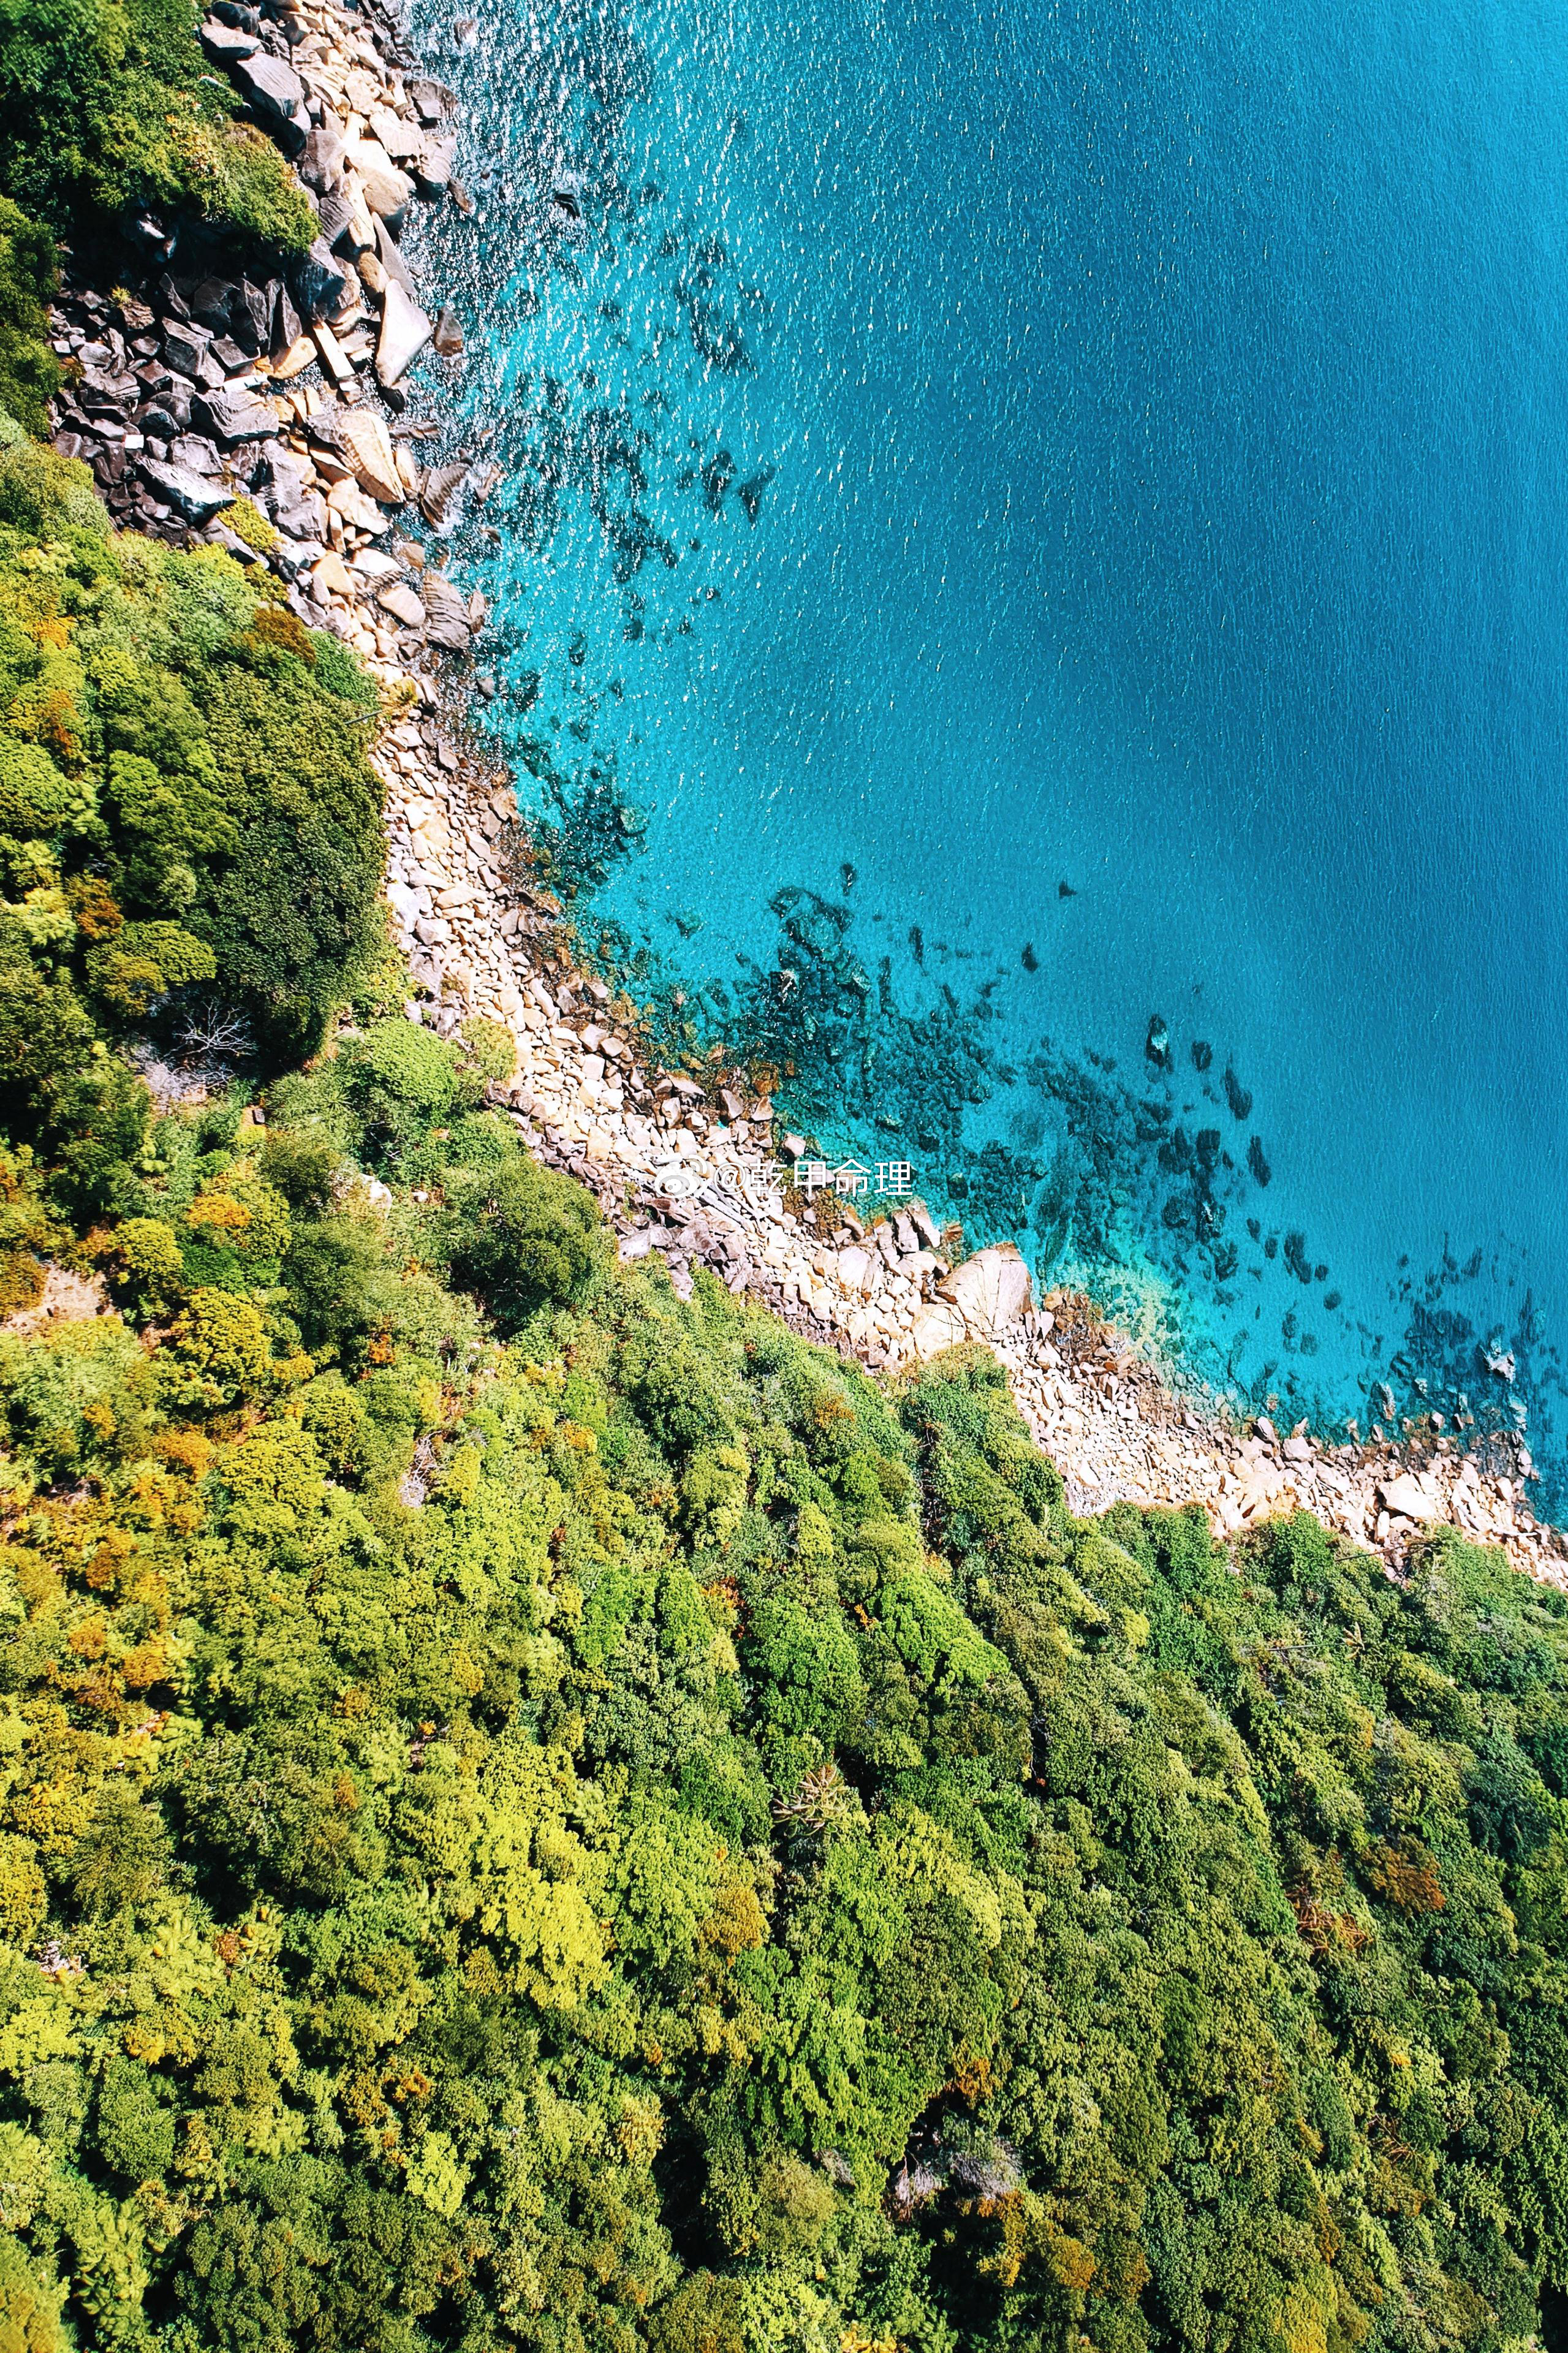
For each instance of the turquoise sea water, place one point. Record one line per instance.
(951, 453)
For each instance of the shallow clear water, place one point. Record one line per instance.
(982, 449)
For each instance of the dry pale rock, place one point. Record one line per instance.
(938, 1327)
(332, 575)
(401, 140)
(366, 446)
(386, 190)
(990, 1290)
(346, 499)
(1408, 1497)
(404, 606)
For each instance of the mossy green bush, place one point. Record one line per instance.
(110, 104)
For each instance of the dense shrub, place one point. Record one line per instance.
(29, 372)
(106, 104)
(189, 831)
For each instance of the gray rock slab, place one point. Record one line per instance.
(274, 89)
(195, 496)
(185, 346)
(233, 414)
(319, 282)
(226, 44)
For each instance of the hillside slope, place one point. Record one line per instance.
(541, 1813)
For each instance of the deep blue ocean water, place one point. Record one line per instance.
(1076, 501)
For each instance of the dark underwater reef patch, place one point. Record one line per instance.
(1101, 1178)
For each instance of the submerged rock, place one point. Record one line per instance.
(439, 494)
(1157, 1043)
(751, 493)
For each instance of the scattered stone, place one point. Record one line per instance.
(439, 494)
(285, 331)
(433, 168)
(278, 97)
(185, 346)
(432, 99)
(389, 254)
(225, 44)
(347, 500)
(399, 139)
(331, 354)
(1409, 1498)
(321, 162)
(319, 282)
(990, 1290)
(386, 190)
(366, 444)
(446, 614)
(330, 575)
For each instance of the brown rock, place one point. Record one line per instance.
(331, 575)
(366, 444)
(385, 189)
(442, 487)
(399, 599)
(347, 499)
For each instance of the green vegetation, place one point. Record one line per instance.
(29, 372)
(189, 830)
(537, 1814)
(107, 105)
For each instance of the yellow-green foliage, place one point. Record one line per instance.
(187, 821)
(245, 520)
(636, 1824)
(535, 1815)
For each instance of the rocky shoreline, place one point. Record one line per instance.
(691, 1170)
(273, 420)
